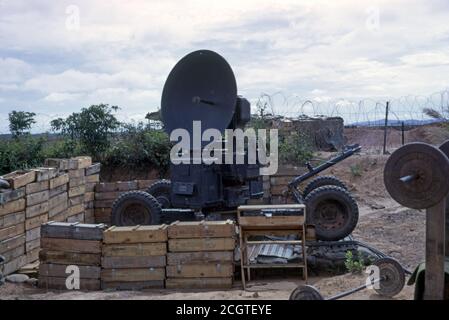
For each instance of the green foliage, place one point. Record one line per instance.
(26, 152)
(92, 127)
(140, 146)
(354, 264)
(294, 149)
(20, 122)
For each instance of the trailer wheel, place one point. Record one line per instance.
(161, 191)
(323, 181)
(136, 208)
(333, 211)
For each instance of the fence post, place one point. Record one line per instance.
(385, 127)
(403, 132)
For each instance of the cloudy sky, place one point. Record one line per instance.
(59, 56)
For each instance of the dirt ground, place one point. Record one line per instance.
(397, 231)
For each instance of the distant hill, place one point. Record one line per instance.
(394, 122)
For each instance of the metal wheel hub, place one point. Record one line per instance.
(134, 214)
(330, 215)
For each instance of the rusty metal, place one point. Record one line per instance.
(415, 175)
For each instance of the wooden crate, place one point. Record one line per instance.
(133, 262)
(129, 250)
(202, 229)
(210, 270)
(71, 245)
(134, 274)
(9, 195)
(20, 178)
(135, 234)
(13, 206)
(59, 270)
(58, 283)
(177, 258)
(132, 285)
(79, 231)
(199, 283)
(198, 244)
(63, 257)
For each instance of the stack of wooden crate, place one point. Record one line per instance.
(92, 179)
(58, 197)
(77, 187)
(70, 244)
(105, 195)
(134, 258)
(201, 255)
(12, 220)
(37, 209)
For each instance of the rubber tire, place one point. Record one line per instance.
(136, 197)
(323, 181)
(161, 188)
(344, 198)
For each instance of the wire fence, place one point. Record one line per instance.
(363, 112)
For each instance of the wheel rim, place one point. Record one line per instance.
(330, 215)
(135, 214)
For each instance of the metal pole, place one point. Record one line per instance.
(385, 127)
(403, 133)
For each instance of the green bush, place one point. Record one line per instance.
(294, 149)
(139, 146)
(24, 152)
(354, 264)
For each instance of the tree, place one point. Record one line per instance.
(20, 122)
(92, 127)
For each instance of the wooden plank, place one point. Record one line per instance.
(102, 215)
(64, 257)
(60, 217)
(59, 270)
(12, 243)
(56, 283)
(202, 229)
(80, 162)
(198, 283)
(136, 234)
(74, 201)
(77, 191)
(36, 187)
(74, 210)
(33, 234)
(33, 255)
(45, 174)
(71, 245)
(13, 206)
(12, 231)
(78, 231)
(58, 190)
(176, 258)
(36, 210)
(258, 222)
(132, 286)
(434, 275)
(116, 186)
(89, 205)
(59, 181)
(103, 203)
(90, 187)
(135, 274)
(211, 244)
(76, 218)
(76, 182)
(61, 164)
(33, 244)
(89, 216)
(108, 195)
(89, 197)
(38, 197)
(76, 173)
(200, 270)
(14, 253)
(14, 265)
(93, 178)
(58, 210)
(9, 195)
(133, 262)
(57, 200)
(93, 169)
(36, 221)
(20, 178)
(11, 219)
(130, 250)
